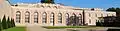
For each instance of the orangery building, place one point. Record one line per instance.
(52, 14)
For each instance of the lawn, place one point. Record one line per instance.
(61, 27)
(15, 29)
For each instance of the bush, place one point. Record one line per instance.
(12, 23)
(4, 23)
(9, 23)
(0, 25)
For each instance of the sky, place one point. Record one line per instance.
(78, 3)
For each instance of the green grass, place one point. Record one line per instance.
(15, 29)
(61, 27)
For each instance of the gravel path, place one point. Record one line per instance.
(39, 28)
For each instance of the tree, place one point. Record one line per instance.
(9, 23)
(0, 25)
(12, 23)
(4, 23)
(111, 9)
(47, 1)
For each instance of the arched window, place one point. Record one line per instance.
(36, 17)
(18, 16)
(67, 18)
(74, 15)
(59, 18)
(80, 18)
(52, 18)
(27, 17)
(44, 17)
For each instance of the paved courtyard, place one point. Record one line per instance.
(39, 28)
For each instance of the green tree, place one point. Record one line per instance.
(0, 25)
(117, 10)
(8, 23)
(4, 23)
(111, 9)
(13, 23)
(47, 1)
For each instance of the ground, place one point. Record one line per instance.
(64, 28)
(16, 29)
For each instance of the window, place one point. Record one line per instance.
(35, 17)
(90, 21)
(67, 18)
(59, 18)
(80, 18)
(52, 18)
(18, 16)
(27, 17)
(44, 17)
(74, 15)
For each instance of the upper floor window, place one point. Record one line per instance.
(59, 18)
(36, 17)
(18, 16)
(44, 17)
(27, 17)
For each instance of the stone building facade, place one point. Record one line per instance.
(51, 14)
(55, 14)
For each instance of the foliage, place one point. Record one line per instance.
(4, 23)
(47, 1)
(0, 25)
(16, 29)
(12, 22)
(9, 23)
(74, 21)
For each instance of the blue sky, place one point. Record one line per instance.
(79, 3)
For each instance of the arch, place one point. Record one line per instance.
(18, 16)
(80, 19)
(59, 18)
(67, 18)
(35, 17)
(27, 17)
(52, 18)
(44, 17)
